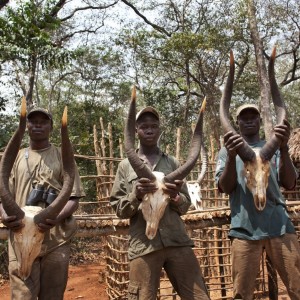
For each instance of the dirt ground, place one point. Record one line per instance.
(85, 282)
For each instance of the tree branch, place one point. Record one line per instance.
(156, 27)
(56, 8)
(3, 3)
(292, 72)
(86, 8)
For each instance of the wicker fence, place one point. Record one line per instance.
(208, 229)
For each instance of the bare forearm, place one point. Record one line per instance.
(287, 173)
(181, 203)
(228, 179)
(68, 210)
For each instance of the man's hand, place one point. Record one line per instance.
(66, 212)
(232, 142)
(144, 186)
(43, 227)
(282, 132)
(173, 189)
(10, 221)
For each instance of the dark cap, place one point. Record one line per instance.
(148, 109)
(244, 107)
(40, 110)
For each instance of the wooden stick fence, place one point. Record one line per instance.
(207, 228)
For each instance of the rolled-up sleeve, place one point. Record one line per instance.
(220, 165)
(122, 199)
(183, 204)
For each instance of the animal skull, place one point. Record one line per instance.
(256, 165)
(257, 173)
(195, 194)
(153, 204)
(194, 187)
(28, 241)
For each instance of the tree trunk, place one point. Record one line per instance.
(261, 71)
(31, 81)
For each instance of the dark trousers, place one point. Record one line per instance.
(181, 266)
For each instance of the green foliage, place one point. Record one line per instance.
(3, 260)
(292, 100)
(3, 102)
(86, 250)
(28, 30)
(174, 68)
(7, 127)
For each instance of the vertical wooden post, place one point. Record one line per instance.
(192, 173)
(178, 136)
(221, 261)
(168, 149)
(103, 162)
(98, 163)
(212, 148)
(121, 148)
(111, 155)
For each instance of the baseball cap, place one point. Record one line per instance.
(40, 110)
(148, 109)
(246, 106)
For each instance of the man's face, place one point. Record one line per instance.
(148, 129)
(39, 127)
(249, 122)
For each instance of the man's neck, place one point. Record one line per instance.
(251, 139)
(39, 145)
(148, 151)
(149, 154)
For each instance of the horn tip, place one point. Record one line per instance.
(231, 57)
(64, 120)
(133, 93)
(203, 105)
(23, 107)
(273, 55)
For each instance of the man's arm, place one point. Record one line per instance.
(228, 179)
(287, 172)
(123, 199)
(10, 221)
(70, 207)
(180, 200)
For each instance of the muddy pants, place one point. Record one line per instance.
(284, 253)
(48, 278)
(181, 266)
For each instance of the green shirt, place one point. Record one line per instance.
(246, 221)
(171, 230)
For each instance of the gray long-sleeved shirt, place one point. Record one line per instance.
(171, 230)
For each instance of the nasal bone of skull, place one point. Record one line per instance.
(153, 207)
(260, 200)
(27, 242)
(257, 182)
(151, 230)
(261, 190)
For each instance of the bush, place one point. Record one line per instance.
(3, 261)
